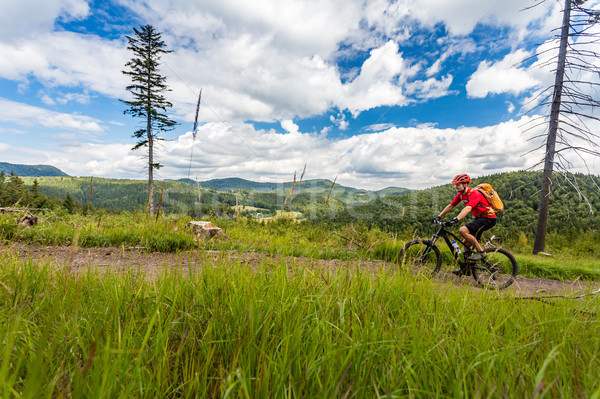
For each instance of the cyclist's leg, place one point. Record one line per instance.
(489, 223)
(466, 232)
(471, 232)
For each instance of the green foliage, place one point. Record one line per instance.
(227, 330)
(13, 191)
(179, 198)
(69, 204)
(147, 86)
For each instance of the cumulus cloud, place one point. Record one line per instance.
(266, 60)
(67, 59)
(510, 107)
(27, 115)
(505, 76)
(459, 17)
(430, 88)
(289, 126)
(411, 157)
(392, 157)
(27, 18)
(379, 82)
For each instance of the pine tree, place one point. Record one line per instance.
(69, 204)
(17, 193)
(149, 103)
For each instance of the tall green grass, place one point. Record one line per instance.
(575, 256)
(231, 330)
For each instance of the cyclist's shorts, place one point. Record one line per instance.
(478, 225)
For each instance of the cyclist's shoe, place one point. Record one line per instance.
(477, 256)
(461, 272)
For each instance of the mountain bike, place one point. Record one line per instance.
(497, 270)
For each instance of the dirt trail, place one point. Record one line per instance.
(152, 264)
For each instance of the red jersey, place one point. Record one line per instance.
(478, 203)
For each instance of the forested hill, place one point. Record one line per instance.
(30, 170)
(309, 197)
(315, 186)
(574, 204)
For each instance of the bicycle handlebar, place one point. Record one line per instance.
(445, 224)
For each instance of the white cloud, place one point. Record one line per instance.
(264, 60)
(27, 18)
(379, 82)
(273, 59)
(430, 88)
(27, 115)
(510, 107)
(303, 27)
(505, 76)
(81, 98)
(459, 16)
(67, 59)
(47, 100)
(340, 121)
(289, 126)
(410, 157)
(413, 157)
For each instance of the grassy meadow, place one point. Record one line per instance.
(573, 257)
(224, 329)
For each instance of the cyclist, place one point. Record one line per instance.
(484, 216)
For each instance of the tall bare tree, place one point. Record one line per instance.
(572, 102)
(148, 102)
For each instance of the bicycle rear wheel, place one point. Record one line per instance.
(422, 255)
(497, 271)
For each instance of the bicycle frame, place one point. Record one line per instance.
(447, 236)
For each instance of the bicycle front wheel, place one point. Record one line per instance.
(422, 255)
(497, 271)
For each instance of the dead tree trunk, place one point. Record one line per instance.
(540, 233)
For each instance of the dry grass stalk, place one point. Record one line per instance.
(350, 240)
(161, 201)
(330, 190)
(74, 248)
(290, 193)
(198, 188)
(302, 175)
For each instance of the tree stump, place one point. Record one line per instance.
(206, 230)
(28, 220)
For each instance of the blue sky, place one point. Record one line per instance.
(379, 93)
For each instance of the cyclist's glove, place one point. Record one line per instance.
(451, 222)
(436, 220)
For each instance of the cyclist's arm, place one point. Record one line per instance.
(446, 210)
(464, 212)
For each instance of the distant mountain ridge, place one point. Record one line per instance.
(316, 186)
(30, 170)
